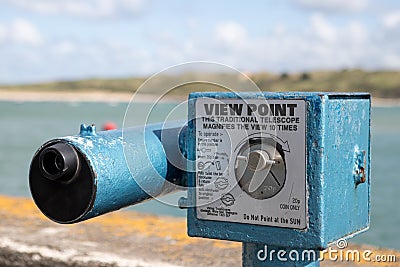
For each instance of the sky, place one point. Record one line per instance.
(46, 40)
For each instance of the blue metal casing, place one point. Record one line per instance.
(337, 173)
(125, 167)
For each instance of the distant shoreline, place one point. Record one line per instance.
(118, 97)
(81, 96)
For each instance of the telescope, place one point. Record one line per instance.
(284, 170)
(75, 178)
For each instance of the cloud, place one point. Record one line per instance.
(230, 32)
(67, 59)
(84, 9)
(320, 44)
(392, 19)
(20, 31)
(322, 29)
(333, 5)
(64, 48)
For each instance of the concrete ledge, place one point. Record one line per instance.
(27, 238)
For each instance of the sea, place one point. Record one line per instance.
(24, 126)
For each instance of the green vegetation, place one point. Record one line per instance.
(385, 84)
(115, 85)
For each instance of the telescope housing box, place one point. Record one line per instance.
(283, 169)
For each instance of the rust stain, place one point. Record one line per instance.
(363, 177)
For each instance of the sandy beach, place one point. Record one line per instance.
(118, 97)
(83, 96)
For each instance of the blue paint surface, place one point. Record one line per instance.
(347, 132)
(116, 185)
(128, 166)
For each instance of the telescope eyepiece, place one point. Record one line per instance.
(61, 181)
(59, 162)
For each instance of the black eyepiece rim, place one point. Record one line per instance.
(70, 163)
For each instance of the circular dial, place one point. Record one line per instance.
(260, 167)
